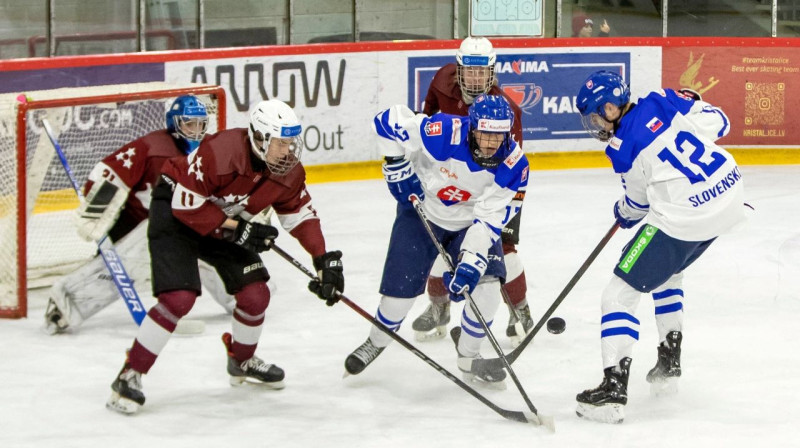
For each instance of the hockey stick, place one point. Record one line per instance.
(517, 416)
(113, 263)
(513, 311)
(424, 218)
(514, 354)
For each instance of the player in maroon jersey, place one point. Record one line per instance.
(118, 199)
(452, 91)
(201, 210)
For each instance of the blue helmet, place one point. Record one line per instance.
(187, 121)
(490, 114)
(600, 88)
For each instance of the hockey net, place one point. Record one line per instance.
(38, 240)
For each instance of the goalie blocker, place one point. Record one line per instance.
(100, 211)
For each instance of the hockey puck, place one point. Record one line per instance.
(556, 325)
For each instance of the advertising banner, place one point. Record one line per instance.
(335, 96)
(758, 88)
(543, 85)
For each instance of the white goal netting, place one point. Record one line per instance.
(37, 235)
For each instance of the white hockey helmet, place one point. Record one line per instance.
(475, 70)
(275, 135)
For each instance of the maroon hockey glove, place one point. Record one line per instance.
(330, 277)
(254, 236)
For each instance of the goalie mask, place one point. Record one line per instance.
(490, 120)
(275, 135)
(602, 88)
(187, 121)
(475, 69)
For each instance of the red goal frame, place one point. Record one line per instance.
(21, 310)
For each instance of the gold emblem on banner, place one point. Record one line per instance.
(689, 76)
(764, 103)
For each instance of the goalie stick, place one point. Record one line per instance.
(113, 263)
(517, 416)
(424, 218)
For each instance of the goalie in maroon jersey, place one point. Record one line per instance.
(452, 91)
(117, 202)
(201, 210)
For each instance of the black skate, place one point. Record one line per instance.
(663, 378)
(481, 374)
(432, 323)
(126, 396)
(252, 371)
(518, 328)
(361, 357)
(606, 403)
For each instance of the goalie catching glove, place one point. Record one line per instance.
(469, 271)
(330, 277)
(99, 212)
(254, 236)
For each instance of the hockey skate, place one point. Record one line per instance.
(252, 371)
(126, 396)
(55, 320)
(432, 323)
(361, 357)
(514, 324)
(606, 403)
(480, 374)
(663, 378)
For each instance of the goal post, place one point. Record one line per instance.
(38, 240)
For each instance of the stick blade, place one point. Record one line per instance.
(190, 327)
(546, 421)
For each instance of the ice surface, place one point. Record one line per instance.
(741, 366)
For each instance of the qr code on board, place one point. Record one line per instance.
(764, 103)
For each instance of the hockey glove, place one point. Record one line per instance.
(402, 180)
(470, 269)
(254, 236)
(100, 211)
(330, 277)
(625, 223)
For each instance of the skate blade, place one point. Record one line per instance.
(664, 388)
(122, 405)
(470, 378)
(432, 335)
(244, 381)
(607, 413)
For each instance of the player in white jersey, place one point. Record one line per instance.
(470, 175)
(690, 189)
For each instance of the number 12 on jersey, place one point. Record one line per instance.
(686, 142)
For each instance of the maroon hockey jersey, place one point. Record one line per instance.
(136, 168)
(444, 95)
(224, 179)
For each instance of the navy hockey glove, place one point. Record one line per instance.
(402, 180)
(254, 236)
(330, 277)
(625, 223)
(469, 270)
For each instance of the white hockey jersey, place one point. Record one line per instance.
(459, 193)
(672, 169)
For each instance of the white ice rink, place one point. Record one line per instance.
(741, 362)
